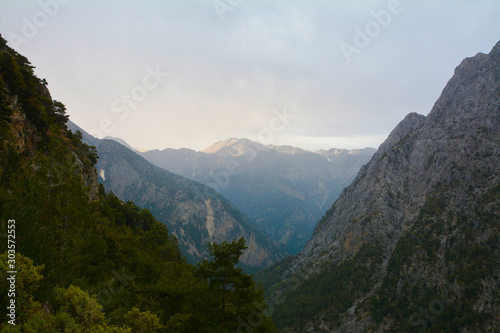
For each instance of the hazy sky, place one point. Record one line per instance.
(312, 74)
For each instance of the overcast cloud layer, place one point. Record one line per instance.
(312, 74)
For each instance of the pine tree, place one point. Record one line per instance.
(240, 303)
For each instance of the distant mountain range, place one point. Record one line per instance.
(193, 212)
(285, 189)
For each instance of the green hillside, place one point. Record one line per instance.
(85, 261)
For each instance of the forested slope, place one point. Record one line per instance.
(85, 260)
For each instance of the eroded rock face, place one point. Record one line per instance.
(443, 168)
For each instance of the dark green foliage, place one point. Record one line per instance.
(59, 113)
(11, 73)
(330, 292)
(87, 261)
(273, 274)
(5, 111)
(236, 296)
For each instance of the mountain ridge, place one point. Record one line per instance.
(248, 143)
(421, 217)
(406, 129)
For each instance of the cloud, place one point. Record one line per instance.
(226, 76)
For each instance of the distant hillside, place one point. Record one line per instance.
(413, 244)
(193, 212)
(285, 189)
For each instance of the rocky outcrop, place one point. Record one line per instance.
(428, 196)
(23, 134)
(25, 138)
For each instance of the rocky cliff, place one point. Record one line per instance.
(418, 228)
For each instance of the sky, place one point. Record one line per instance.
(311, 74)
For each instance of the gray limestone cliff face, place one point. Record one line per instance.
(451, 155)
(461, 132)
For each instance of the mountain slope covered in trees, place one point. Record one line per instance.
(84, 260)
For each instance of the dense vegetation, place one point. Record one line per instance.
(326, 294)
(87, 261)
